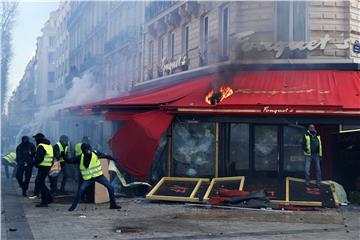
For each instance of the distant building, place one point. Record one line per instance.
(45, 63)
(123, 46)
(62, 66)
(87, 33)
(23, 99)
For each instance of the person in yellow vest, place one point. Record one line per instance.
(9, 160)
(91, 172)
(44, 157)
(60, 152)
(313, 152)
(77, 149)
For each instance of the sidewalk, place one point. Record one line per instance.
(141, 219)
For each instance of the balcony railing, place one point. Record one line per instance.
(154, 8)
(131, 34)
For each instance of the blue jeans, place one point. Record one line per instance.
(86, 183)
(308, 160)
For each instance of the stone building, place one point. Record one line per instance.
(182, 36)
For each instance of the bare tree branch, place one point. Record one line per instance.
(8, 12)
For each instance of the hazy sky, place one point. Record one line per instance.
(31, 17)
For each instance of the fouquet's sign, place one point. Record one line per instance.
(279, 47)
(169, 67)
(268, 109)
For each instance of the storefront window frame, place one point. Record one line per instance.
(221, 150)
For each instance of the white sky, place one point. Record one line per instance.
(31, 17)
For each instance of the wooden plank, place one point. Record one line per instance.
(101, 193)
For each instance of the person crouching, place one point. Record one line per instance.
(90, 168)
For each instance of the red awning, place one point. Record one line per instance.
(282, 92)
(257, 92)
(155, 97)
(135, 143)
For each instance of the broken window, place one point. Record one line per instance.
(239, 146)
(193, 149)
(293, 153)
(266, 148)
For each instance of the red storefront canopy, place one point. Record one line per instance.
(155, 97)
(282, 92)
(256, 93)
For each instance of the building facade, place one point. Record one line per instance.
(45, 63)
(182, 36)
(22, 104)
(123, 46)
(87, 32)
(62, 65)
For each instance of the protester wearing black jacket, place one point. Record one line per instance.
(91, 157)
(25, 152)
(43, 171)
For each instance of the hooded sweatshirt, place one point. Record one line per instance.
(25, 152)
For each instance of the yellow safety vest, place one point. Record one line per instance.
(78, 149)
(49, 156)
(62, 150)
(10, 157)
(94, 170)
(308, 147)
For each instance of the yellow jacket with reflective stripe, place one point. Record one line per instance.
(62, 150)
(78, 149)
(10, 157)
(49, 156)
(308, 145)
(94, 170)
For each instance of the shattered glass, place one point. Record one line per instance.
(266, 148)
(293, 153)
(193, 149)
(239, 146)
(159, 166)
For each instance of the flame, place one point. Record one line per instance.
(225, 93)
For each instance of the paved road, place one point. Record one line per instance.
(14, 224)
(140, 219)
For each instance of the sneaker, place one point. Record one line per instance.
(72, 208)
(42, 205)
(307, 183)
(115, 207)
(33, 197)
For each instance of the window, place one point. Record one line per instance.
(171, 46)
(161, 49)
(50, 96)
(266, 148)
(51, 58)
(193, 149)
(151, 54)
(291, 21)
(239, 147)
(204, 40)
(51, 77)
(51, 41)
(186, 39)
(293, 154)
(225, 32)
